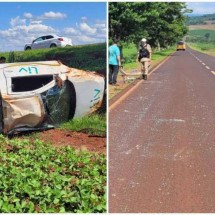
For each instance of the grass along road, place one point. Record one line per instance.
(130, 64)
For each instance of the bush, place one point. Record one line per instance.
(36, 177)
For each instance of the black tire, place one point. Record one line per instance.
(53, 45)
(27, 48)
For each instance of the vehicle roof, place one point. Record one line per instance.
(49, 35)
(48, 63)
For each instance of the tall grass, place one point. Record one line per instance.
(86, 57)
(94, 124)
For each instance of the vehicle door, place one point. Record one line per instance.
(38, 43)
(48, 41)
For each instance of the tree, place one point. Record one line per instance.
(207, 35)
(162, 23)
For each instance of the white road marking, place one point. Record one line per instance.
(207, 67)
(213, 72)
(170, 120)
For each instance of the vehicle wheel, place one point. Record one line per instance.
(27, 48)
(53, 45)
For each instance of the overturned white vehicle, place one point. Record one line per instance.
(40, 95)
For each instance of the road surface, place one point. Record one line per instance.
(162, 140)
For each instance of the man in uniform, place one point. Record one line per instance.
(144, 57)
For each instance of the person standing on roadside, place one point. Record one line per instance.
(144, 57)
(114, 62)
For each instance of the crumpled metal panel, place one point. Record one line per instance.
(22, 112)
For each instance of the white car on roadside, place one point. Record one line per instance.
(48, 41)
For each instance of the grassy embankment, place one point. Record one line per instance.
(202, 40)
(129, 64)
(38, 177)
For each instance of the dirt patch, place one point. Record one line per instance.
(202, 27)
(77, 140)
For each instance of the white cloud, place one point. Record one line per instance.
(83, 39)
(23, 31)
(99, 25)
(83, 33)
(87, 29)
(28, 15)
(17, 21)
(53, 15)
(17, 36)
(84, 19)
(71, 31)
(36, 22)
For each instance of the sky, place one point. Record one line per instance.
(200, 8)
(20, 23)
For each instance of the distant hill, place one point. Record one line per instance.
(201, 20)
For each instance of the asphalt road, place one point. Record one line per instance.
(162, 140)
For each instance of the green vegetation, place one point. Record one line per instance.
(162, 23)
(130, 64)
(36, 177)
(94, 124)
(199, 20)
(86, 57)
(202, 40)
(203, 47)
(130, 56)
(201, 36)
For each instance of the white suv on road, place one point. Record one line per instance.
(48, 41)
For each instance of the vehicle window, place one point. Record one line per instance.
(60, 103)
(29, 83)
(38, 39)
(181, 43)
(49, 37)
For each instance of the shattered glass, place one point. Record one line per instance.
(60, 103)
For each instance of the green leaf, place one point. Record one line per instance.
(62, 210)
(56, 201)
